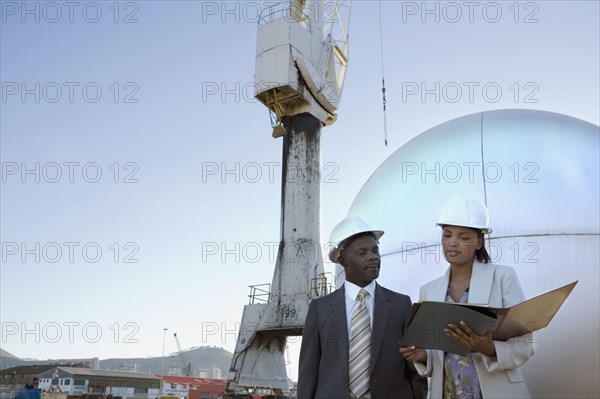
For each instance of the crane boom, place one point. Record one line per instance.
(186, 365)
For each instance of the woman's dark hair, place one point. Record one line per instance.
(482, 253)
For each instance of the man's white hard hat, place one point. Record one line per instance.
(347, 228)
(466, 211)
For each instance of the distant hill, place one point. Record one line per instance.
(203, 357)
(4, 353)
(8, 360)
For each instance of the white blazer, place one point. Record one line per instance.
(499, 377)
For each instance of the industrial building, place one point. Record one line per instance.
(20, 377)
(79, 381)
(192, 387)
(83, 381)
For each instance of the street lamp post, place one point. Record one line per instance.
(162, 366)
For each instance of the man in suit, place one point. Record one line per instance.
(350, 341)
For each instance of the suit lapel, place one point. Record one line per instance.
(439, 290)
(482, 278)
(337, 320)
(480, 287)
(381, 315)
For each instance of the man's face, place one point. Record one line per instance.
(361, 260)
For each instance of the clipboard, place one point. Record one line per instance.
(428, 319)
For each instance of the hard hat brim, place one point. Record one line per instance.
(484, 230)
(334, 253)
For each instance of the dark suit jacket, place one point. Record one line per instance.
(323, 368)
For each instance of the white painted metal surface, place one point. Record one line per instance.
(301, 58)
(298, 79)
(541, 187)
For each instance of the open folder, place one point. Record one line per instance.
(428, 319)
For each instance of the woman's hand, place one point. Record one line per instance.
(467, 337)
(414, 354)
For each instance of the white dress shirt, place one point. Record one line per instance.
(352, 291)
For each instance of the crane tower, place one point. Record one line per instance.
(301, 59)
(186, 365)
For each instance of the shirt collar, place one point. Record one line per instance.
(353, 289)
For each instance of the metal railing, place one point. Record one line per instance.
(260, 293)
(320, 285)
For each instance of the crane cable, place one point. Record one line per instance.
(382, 78)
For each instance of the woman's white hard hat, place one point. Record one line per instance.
(347, 228)
(466, 211)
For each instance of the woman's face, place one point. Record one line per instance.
(459, 244)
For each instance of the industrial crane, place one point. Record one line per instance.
(301, 59)
(186, 365)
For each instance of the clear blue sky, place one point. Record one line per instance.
(130, 128)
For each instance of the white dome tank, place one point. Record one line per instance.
(542, 190)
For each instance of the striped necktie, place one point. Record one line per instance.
(360, 346)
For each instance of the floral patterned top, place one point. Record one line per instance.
(460, 375)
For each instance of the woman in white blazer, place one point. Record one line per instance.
(491, 370)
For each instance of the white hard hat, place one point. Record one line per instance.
(466, 211)
(347, 228)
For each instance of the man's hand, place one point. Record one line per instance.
(414, 354)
